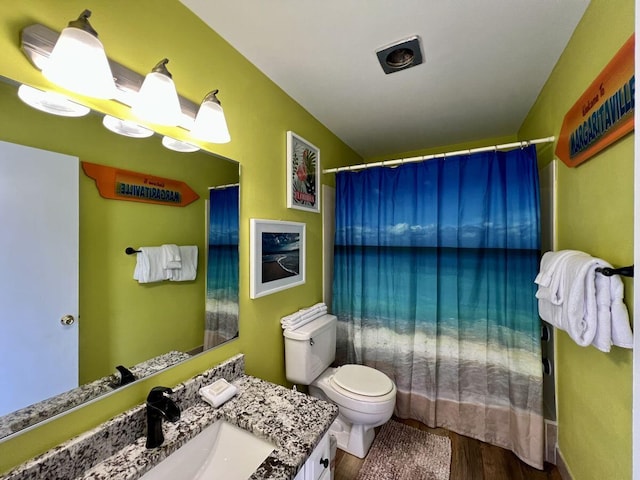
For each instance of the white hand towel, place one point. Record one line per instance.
(189, 269)
(550, 313)
(580, 311)
(572, 296)
(149, 265)
(549, 265)
(621, 334)
(602, 339)
(552, 286)
(171, 256)
(551, 277)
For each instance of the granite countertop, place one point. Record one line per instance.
(293, 421)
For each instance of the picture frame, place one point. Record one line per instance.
(303, 174)
(277, 256)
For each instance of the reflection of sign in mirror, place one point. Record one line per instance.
(303, 174)
(604, 112)
(118, 184)
(277, 256)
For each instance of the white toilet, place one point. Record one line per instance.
(365, 397)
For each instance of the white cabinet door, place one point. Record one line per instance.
(317, 467)
(39, 281)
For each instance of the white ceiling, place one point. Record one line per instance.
(485, 63)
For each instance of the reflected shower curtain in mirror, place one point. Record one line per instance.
(433, 285)
(221, 323)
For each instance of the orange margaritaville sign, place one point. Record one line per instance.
(118, 184)
(603, 114)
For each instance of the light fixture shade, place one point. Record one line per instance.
(178, 145)
(126, 127)
(210, 124)
(78, 62)
(157, 101)
(51, 102)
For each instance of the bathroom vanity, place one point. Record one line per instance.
(295, 423)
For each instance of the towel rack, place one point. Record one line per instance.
(624, 271)
(131, 251)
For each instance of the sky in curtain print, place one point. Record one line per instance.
(467, 202)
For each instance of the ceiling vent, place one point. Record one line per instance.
(400, 55)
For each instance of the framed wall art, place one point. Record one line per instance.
(303, 174)
(277, 256)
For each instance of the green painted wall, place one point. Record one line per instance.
(138, 34)
(595, 214)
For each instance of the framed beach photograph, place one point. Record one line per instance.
(277, 256)
(303, 174)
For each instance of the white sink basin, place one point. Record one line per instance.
(221, 450)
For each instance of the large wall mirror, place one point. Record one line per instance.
(118, 322)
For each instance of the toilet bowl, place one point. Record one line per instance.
(365, 396)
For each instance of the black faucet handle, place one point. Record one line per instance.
(126, 376)
(158, 393)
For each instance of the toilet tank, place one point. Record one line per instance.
(310, 349)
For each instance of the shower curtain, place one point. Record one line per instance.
(434, 265)
(221, 317)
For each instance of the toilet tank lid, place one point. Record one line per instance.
(314, 327)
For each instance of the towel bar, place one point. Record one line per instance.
(131, 251)
(624, 271)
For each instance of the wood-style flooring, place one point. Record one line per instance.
(470, 460)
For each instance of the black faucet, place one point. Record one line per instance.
(123, 378)
(159, 406)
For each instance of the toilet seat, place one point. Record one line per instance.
(362, 381)
(344, 398)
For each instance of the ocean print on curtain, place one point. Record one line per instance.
(221, 315)
(433, 285)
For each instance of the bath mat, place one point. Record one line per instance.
(401, 452)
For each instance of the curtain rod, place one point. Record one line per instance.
(386, 163)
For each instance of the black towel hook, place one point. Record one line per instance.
(131, 251)
(624, 271)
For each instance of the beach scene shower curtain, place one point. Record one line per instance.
(221, 313)
(433, 285)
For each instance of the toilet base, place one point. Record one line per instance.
(353, 439)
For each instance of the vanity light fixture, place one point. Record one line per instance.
(126, 127)
(206, 122)
(51, 102)
(178, 145)
(78, 62)
(210, 124)
(157, 101)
